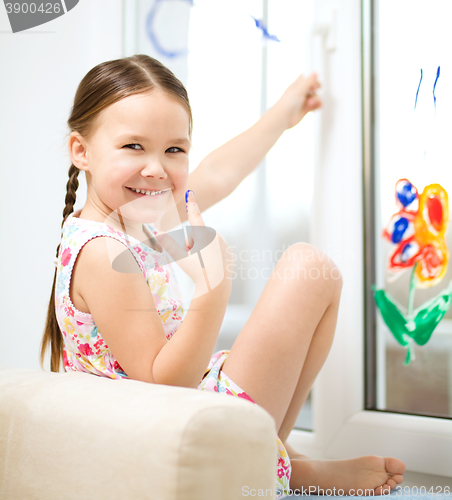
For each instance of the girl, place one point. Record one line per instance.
(131, 129)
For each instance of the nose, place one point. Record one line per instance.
(154, 169)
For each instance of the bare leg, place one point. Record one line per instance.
(316, 357)
(279, 352)
(377, 474)
(268, 356)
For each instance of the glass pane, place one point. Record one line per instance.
(292, 157)
(413, 130)
(250, 72)
(225, 86)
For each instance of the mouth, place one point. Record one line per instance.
(144, 192)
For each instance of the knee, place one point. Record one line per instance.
(310, 263)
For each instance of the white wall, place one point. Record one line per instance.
(40, 70)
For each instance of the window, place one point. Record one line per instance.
(345, 425)
(411, 105)
(232, 81)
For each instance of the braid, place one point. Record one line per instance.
(71, 196)
(52, 332)
(71, 188)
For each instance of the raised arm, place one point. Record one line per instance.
(222, 170)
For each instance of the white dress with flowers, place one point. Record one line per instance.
(85, 350)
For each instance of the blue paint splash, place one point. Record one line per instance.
(399, 229)
(406, 193)
(261, 26)
(434, 85)
(153, 37)
(417, 92)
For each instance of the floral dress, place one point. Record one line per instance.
(85, 349)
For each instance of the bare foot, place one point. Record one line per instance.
(377, 475)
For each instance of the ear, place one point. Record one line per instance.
(78, 151)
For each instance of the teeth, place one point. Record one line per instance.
(147, 192)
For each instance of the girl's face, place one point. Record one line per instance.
(139, 142)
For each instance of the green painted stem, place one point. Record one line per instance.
(411, 324)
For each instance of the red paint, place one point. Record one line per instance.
(435, 212)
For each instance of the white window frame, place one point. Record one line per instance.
(342, 426)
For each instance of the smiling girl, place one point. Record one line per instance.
(131, 127)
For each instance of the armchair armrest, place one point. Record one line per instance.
(76, 435)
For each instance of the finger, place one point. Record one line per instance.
(194, 214)
(171, 246)
(313, 102)
(190, 264)
(212, 257)
(309, 86)
(189, 242)
(314, 83)
(195, 231)
(311, 97)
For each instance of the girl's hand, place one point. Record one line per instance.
(217, 257)
(299, 98)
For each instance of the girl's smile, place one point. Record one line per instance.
(146, 192)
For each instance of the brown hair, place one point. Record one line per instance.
(102, 86)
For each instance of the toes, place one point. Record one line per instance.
(394, 466)
(386, 488)
(390, 482)
(398, 478)
(383, 490)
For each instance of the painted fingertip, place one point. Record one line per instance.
(187, 193)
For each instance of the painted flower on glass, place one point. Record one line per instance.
(418, 232)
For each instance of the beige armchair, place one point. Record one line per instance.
(78, 436)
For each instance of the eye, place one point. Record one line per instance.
(174, 147)
(127, 145)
